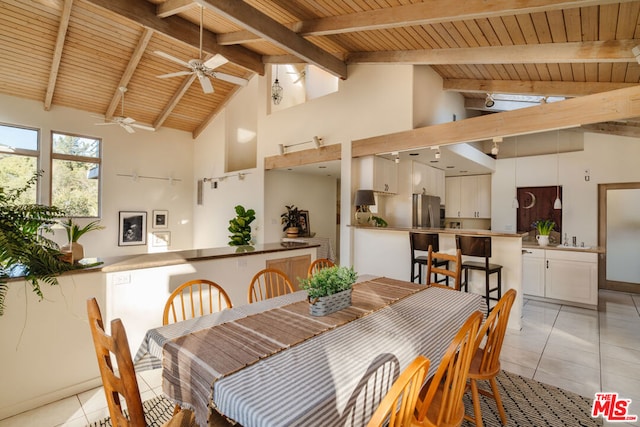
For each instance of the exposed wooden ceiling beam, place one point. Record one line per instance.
(128, 72)
(282, 59)
(304, 157)
(175, 99)
(257, 22)
(57, 53)
(607, 106)
(613, 128)
(144, 13)
(542, 88)
(173, 7)
(427, 13)
(554, 53)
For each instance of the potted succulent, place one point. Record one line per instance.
(74, 232)
(543, 228)
(291, 221)
(329, 289)
(240, 226)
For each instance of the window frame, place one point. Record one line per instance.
(37, 153)
(70, 157)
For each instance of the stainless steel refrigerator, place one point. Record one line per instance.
(426, 211)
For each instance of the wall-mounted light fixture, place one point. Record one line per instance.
(214, 180)
(437, 149)
(488, 101)
(495, 148)
(316, 140)
(397, 156)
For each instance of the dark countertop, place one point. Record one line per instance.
(162, 259)
(463, 231)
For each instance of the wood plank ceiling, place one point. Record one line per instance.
(77, 53)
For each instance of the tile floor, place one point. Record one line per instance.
(579, 350)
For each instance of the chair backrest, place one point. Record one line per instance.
(269, 283)
(194, 298)
(455, 260)
(451, 378)
(318, 265)
(123, 383)
(398, 406)
(494, 329)
(478, 246)
(422, 241)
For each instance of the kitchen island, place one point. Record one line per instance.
(386, 252)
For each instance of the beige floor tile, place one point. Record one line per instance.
(152, 377)
(519, 356)
(614, 352)
(587, 389)
(569, 370)
(589, 359)
(514, 368)
(93, 400)
(50, 415)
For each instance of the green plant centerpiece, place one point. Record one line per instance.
(24, 250)
(291, 221)
(329, 289)
(240, 226)
(74, 232)
(543, 229)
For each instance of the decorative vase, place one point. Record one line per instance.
(322, 306)
(293, 231)
(542, 240)
(363, 217)
(76, 249)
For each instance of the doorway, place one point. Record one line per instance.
(619, 234)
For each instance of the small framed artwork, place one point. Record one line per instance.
(160, 219)
(161, 239)
(305, 229)
(133, 228)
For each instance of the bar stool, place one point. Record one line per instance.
(480, 246)
(421, 242)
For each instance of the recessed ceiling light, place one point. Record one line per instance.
(322, 167)
(464, 171)
(414, 154)
(434, 161)
(450, 167)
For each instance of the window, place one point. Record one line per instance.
(75, 174)
(300, 83)
(19, 159)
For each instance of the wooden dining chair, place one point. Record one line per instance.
(485, 364)
(195, 298)
(269, 283)
(122, 383)
(398, 406)
(440, 402)
(433, 261)
(318, 265)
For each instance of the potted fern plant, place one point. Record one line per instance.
(329, 290)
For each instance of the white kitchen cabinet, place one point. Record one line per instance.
(533, 272)
(468, 196)
(379, 174)
(427, 180)
(564, 275)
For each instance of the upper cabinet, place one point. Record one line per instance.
(468, 196)
(427, 180)
(379, 174)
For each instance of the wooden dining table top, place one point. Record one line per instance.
(282, 366)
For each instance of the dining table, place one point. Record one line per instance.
(272, 363)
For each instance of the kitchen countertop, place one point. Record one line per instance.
(552, 247)
(464, 231)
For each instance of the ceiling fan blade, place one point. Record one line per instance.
(216, 61)
(127, 120)
(176, 74)
(207, 87)
(231, 79)
(127, 128)
(105, 123)
(172, 58)
(145, 127)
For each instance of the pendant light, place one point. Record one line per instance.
(276, 89)
(515, 204)
(558, 203)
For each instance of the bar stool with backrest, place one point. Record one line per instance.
(480, 246)
(420, 242)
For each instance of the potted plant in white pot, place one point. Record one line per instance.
(329, 289)
(543, 228)
(291, 221)
(74, 232)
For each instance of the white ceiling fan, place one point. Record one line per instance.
(202, 69)
(127, 123)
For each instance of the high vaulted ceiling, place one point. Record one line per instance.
(77, 53)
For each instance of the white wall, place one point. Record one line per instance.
(164, 153)
(610, 159)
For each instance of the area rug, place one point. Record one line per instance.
(528, 403)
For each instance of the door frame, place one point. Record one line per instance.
(603, 283)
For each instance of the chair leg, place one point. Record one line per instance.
(466, 280)
(487, 291)
(477, 413)
(496, 396)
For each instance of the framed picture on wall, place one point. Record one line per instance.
(305, 229)
(133, 228)
(161, 239)
(160, 219)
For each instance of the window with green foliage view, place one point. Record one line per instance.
(75, 174)
(19, 160)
